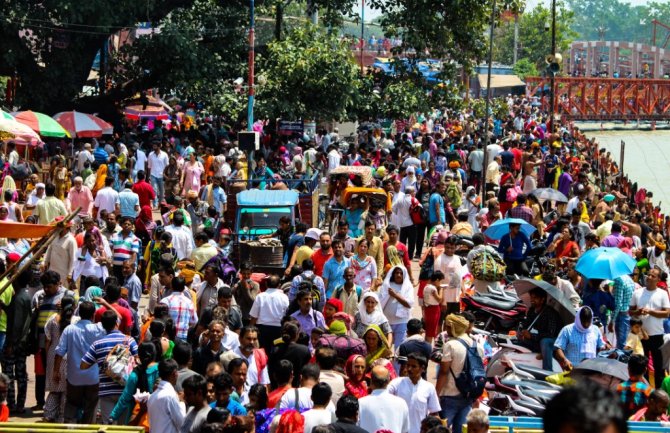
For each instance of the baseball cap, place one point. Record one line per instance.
(313, 233)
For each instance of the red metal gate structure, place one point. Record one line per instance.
(580, 98)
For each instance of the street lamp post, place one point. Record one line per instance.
(487, 139)
(362, 32)
(552, 96)
(252, 54)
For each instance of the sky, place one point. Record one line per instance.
(371, 14)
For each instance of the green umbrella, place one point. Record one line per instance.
(6, 115)
(42, 124)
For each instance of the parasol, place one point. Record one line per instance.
(83, 125)
(22, 134)
(605, 263)
(557, 299)
(41, 123)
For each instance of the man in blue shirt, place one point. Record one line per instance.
(129, 202)
(82, 385)
(436, 213)
(512, 248)
(215, 196)
(223, 387)
(333, 270)
(100, 155)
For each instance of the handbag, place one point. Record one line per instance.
(428, 266)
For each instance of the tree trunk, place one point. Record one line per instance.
(279, 18)
(516, 38)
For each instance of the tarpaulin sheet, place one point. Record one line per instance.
(14, 230)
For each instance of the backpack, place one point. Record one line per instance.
(119, 363)
(472, 380)
(339, 290)
(308, 284)
(225, 268)
(417, 212)
(487, 265)
(343, 345)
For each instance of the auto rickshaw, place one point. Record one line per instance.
(358, 204)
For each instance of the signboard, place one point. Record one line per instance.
(289, 128)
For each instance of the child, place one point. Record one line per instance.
(634, 392)
(332, 307)
(212, 219)
(432, 298)
(635, 337)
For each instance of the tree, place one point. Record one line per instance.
(196, 54)
(439, 28)
(534, 39)
(310, 75)
(52, 44)
(525, 68)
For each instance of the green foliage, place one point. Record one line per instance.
(195, 56)
(525, 68)
(403, 98)
(52, 44)
(498, 108)
(451, 29)
(310, 75)
(534, 40)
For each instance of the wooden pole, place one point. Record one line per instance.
(41, 248)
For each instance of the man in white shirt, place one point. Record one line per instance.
(382, 410)
(83, 156)
(652, 306)
(267, 311)
(333, 158)
(319, 414)
(248, 351)
(157, 161)
(418, 393)
(182, 238)
(309, 378)
(13, 157)
(140, 160)
(166, 413)
(493, 150)
(107, 199)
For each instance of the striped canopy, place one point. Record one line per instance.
(41, 123)
(22, 134)
(83, 125)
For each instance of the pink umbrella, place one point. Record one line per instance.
(22, 133)
(83, 125)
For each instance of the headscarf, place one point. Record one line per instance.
(337, 327)
(394, 258)
(405, 289)
(459, 325)
(384, 349)
(291, 422)
(144, 224)
(93, 292)
(336, 304)
(376, 317)
(587, 338)
(353, 386)
(100, 177)
(8, 185)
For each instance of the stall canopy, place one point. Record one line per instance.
(500, 81)
(14, 230)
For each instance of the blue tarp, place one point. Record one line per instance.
(257, 197)
(429, 68)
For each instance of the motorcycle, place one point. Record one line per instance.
(499, 311)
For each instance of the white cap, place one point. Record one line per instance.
(313, 233)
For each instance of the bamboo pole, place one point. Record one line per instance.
(37, 252)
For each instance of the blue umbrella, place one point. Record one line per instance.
(605, 263)
(501, 227)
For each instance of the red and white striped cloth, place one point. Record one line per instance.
(83, 125)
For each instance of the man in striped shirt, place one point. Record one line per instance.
(125, 246)
(182, 310)
(109, 391)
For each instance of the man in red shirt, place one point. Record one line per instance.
(323, 254)
(144, 190)
(112, 294)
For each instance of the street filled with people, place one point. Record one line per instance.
(440, 273)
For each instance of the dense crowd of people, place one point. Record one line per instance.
(131, 318)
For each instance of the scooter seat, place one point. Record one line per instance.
(538, 373)
(542, 397)
(495, 301)
(533, 385)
